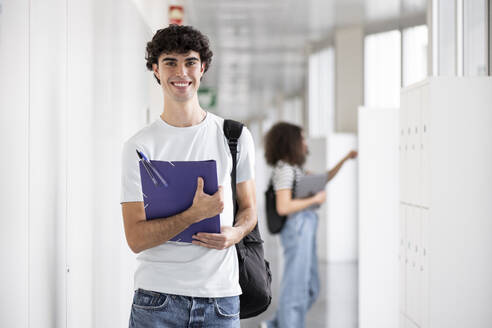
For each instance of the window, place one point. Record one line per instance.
(321, 92)
(382, 69)
(414, 54)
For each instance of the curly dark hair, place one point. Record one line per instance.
(178, 39)
(284, 142)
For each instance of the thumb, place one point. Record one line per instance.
(199, 184)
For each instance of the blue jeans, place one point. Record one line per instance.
(158, 310)
(300, 283)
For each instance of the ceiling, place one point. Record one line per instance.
(261, 46)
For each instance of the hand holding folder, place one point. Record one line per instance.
(169, 189)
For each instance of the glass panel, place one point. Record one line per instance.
(321, 92)
(414, 54)
(382, 69)
(475, 37)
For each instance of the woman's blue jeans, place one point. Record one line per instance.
(300, 283)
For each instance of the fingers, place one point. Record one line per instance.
(200, 243)
(219, 195)
(220, 192)
(212, 240)
(199, 185)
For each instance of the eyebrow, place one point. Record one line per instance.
(171, 59)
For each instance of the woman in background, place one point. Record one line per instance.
(286, 151)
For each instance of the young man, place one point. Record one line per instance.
(182, 284)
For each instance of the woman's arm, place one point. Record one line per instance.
(287, 205)
(336, 168)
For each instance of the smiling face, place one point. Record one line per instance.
(179, 74)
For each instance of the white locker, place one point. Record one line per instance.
(403, 149)
(416, 266)
(403, 259)
(424, 271)
(412, 169)
(425, 166)
(447, 188)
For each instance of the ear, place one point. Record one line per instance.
(202, 70)
(155, 68)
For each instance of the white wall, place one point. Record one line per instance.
(342, 200)
(378, 217)
(47, 166)
(14, 141)
(317, 162)
(337, 229)
(121, 98)
(73, 87)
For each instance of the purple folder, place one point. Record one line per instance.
(162, 201)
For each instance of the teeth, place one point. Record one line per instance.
(181, 84)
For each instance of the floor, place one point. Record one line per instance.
(337, 305)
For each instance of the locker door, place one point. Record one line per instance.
(425, 147)
(403, 258)
(425, 268)
(401, 148)
(417, 148)
(417, 266)
(408, 148)
(411, 144)
(410, 263)
(404, 148)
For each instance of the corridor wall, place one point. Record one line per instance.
(14, 140)
(378, 217)
(73, 87)
(337, 227)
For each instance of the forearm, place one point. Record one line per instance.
(335, 169)
(147, 234)
(295, 205)
(246, 220)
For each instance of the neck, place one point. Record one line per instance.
(182, 114)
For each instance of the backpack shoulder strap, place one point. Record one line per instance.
(232, 131)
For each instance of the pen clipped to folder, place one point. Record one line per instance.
(151, 170)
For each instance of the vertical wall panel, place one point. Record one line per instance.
(120, 91)
(342, 201)
(47, 166)
(318, 162)
(14, 142)
(378, 216)
(80, 157)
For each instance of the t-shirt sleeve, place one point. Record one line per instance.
(283, 177)
(246, 158)
(131, 188)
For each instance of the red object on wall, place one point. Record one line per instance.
(176, 14)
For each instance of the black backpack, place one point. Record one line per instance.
(275, 221)
(255, 277)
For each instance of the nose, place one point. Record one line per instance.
(181, 70)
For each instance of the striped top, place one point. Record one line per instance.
(283, 175)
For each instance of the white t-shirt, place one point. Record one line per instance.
(183, 268)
